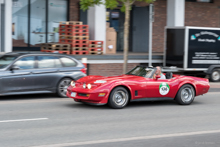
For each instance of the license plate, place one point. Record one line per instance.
(73, 94)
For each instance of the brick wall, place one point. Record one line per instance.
(196, 14)
(74, 10)
(111, 69)
(202, 14)
(160, 19)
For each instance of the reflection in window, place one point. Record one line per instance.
(48, 62)
(26, 63)
(20, 23)
(68, 62)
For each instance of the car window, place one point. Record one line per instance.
(6, 60)
(48, 62)
(67, 62)
(26, 62)
(57, 62)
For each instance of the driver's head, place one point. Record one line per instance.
(158, 71)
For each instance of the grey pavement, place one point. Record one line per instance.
(45, 120)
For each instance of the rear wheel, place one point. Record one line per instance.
(62, 87)
(215, 75)
(185, 95)
(118, 98)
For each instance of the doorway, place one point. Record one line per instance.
(139, 29)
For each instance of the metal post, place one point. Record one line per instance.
(151, 19)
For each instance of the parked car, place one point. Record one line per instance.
(137, 85)
(35, 72)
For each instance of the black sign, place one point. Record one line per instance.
(204, 48)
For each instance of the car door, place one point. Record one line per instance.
(20, 80)
(47, 72)
(162, 88)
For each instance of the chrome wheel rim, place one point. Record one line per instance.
(64, 84)
(186, 95)
(215, 75)
(120, 98)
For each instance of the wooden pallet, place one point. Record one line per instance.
(71, 22)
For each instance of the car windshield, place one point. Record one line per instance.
(141, 71)
(6, 60)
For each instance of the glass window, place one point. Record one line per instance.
(6, 60)
(26, 62)
(41, 25)
(57, 62)
(48, 62)
(37, 22)
(57, 11)
(68, 62)
(20, 23)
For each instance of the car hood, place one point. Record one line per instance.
(102, 79)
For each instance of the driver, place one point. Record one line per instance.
(158, 72)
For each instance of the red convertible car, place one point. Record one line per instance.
(136, 85)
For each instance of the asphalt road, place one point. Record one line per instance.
(48, 121)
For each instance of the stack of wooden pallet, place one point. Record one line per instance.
(95, 47)
(77, 35)
(56, 47)
(74, 39)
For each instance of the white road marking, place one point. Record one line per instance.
(18, 120)
(131, 139)
(34, 101)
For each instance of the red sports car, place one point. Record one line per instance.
(137, 85)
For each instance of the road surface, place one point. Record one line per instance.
(49, 121)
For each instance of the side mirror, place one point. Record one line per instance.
(15, 67)
(157, 77)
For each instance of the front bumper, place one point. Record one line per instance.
(88, 96)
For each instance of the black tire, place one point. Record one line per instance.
(185, 95)
(62, 87)
(118, 98)
(215, 75)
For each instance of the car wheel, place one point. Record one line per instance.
(215, 75)
(118, 98)
(185, 95)
(62, 87)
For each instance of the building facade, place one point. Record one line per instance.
(25, 24)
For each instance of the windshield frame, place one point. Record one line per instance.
(141, 72)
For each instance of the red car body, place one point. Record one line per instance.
(139, 88)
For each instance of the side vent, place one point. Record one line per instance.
(136, 93)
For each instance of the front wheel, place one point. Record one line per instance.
(62, 87)
(118, 98)
(185, 95)
(215, 75)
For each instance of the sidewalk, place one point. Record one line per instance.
(214, 85)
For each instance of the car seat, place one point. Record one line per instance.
(169, 75)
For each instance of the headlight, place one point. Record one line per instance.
(89, 86)
(73, 84)
(84, 85)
